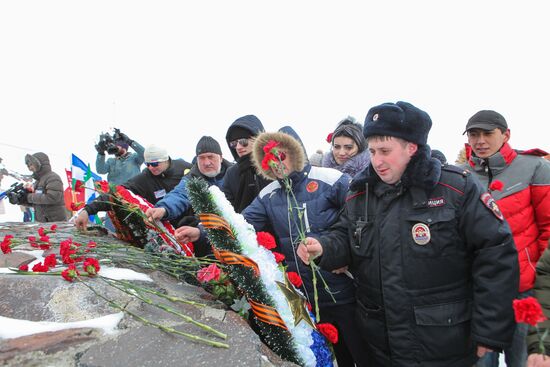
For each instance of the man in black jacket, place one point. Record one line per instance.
(160, 177)
(433, 259)
(242, 183)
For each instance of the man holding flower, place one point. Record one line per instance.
(432, 257)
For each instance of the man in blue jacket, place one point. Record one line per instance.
(210, 166)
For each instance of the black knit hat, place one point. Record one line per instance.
(401, 120)
(208, 144)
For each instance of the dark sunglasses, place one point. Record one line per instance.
(243, 142)
(152, 164)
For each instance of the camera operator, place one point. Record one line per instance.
(124, 165)
(46, 194)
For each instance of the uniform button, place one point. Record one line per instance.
(429, 220)
(449, 320)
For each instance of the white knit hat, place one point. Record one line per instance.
(154, 153)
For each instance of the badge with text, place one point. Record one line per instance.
(160, 194)
(488, 200)
(312, 186)
(435, 202)
(421, 234)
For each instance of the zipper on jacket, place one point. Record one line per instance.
(306, 220)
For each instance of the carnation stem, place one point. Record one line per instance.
(151, 323)
(165, 308)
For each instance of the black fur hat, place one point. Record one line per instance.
(401, 120)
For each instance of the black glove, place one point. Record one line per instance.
(100, 147)
(125, 138)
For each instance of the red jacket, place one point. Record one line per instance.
(524, 200)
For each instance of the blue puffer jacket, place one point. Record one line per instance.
(177, 203)
(322, 192)
(121, 169)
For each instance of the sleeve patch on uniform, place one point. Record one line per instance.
(491, 204)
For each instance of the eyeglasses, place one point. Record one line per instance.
(243, 142)
(152, 164)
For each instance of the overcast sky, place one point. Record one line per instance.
(168, 72)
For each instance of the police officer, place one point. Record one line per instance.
(434, 261)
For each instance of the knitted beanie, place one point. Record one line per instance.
(208, 144)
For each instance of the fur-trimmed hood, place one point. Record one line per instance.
(287, 142)
(423, 171)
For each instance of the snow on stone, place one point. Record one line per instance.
(123, 274)
(14, 328)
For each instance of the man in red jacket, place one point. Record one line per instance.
(520, 183)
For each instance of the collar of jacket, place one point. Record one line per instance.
(497, 162)
(361, 158)
(296, 177)
(422, 172)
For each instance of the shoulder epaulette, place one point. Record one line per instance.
(450, 168)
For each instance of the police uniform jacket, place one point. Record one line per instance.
(434, 263)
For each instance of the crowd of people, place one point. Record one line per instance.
(423, 258)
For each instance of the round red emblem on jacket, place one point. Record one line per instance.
(312, 186)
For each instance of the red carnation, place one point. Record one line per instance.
(50, 261)
(528, 310)
(92, 244)
(278, 257)
(24, 267)
(329, 138)
(32, 239)
(266, 240)
(53, 228)
(41, 232)
(294, 279)
(5, 246)
(211, 272)
(40, 268)
(269, 159)
(496, 185)
(45, 238)
(329, 331)
(91, 266)
(8, 237)
(70, 273)
(270, 146)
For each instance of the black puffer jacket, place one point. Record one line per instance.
(47, 198)
(150, 187)
(242, 183)
(436, 269)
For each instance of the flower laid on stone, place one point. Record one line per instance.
(91, 266)
(70, 273)
(5, 246)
